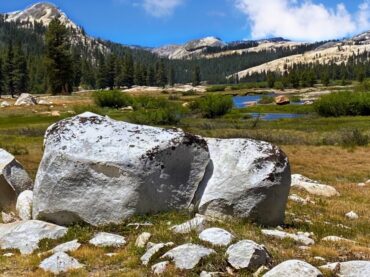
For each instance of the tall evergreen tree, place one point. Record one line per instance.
(1, 78)
(161, 74)
(21, 77)
(9, 70)
(111, 72)
(150, 77)
(58, 58)
(196, 76)
(102, 81)
(171, 77)
(128, 71)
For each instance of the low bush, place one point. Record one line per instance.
(112, 99)
(216, 88)
(173, 97)
(148, 102)
(344, 104)
(265, 99)
(162, 116)
(189, 93)
(353, 137)
(213, 105)
(88, 108)
(295, 99)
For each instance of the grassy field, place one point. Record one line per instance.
(313, 144)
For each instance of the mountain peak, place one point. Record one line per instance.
(43, 12)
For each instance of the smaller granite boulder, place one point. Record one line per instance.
(196, 224)
(303, 238)
(294, 268)
(216, 236)
(282, 100)
(152, 250)
(4, 104)
(187, 256)
(13, 180)
(107, 240)
(351, 268)
(24, 205)
(66, 247)
(313, 187)
(26, 99)
(160, 268)
(352, 215)
(60, 263)
(247, 254)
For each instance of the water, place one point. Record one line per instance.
(276, 116)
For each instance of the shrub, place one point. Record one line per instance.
(265, 99)
(173, 97)
(147, 102)
(162, 116)
(189, 93)
(214, 105)
(112, 99)
(354, 137)
(216, 88)
(344, 104)
(295, 99)
(88, 108)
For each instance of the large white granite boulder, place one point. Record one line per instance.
(246, 179)
(13, 180)
(102, 171)
(26, 235)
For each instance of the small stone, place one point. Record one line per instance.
(24, 205)
(196, 224)
(8, 218)
(247, 254)
(216, 236)
(187, 256)
(352, 215)
(107, 240)
(143, 239)
(294, 268)
(361, 185)
(299, 237)
(337, 239)
(66, 247)
(154, 249)
(55, 114)
(320, 259)
(4, 104)
(262, 270)
(138, 225)
(297, 199)
(160, 268)
(111, 254)
(210, 274)
(60, 262)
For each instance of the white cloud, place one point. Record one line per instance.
(160, 8)
(303, 20)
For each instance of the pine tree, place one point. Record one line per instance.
(325, 78)
(271, 79)
(21, 77)
(128, 71)
(171, 77)
(102, 82)
(9, 70)
(58, 58)
(150, 77)
(161, 74)
(196, 76)
(111, 72)
(77, 69)
(1, 78)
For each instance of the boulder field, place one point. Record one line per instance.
(101, 171)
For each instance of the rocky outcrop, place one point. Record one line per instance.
(26, 235)
(13, 180)
(246, 179)
(102, 171)
(247, 254)
(294, 268)
(26, 99)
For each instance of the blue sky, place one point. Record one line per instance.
(158, 22)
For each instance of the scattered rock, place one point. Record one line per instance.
(297, 199)
(320, 259)
(66, 247)
(8, 218)
(160, 268)
(282, 100)
(111, 254)
(26, 99)
(351, 268)
(294, 268)
(8, 255)
(337, 239)
(24, 205)
(262, 270)
(303, 238)
(361, 185)
(152, 250)
(60, 262)
(4, 104)
(143, 239)
(313, 187)
(196, 224)
(55, 114)
(211, 274)
(26, 235)
(352, 215)
(247, 254)
(128, 109)
(246, 179)
(138, 225)
(13, 180)
(216, 236)
(43, 102)
(101, 171)
(187, 256)
(103, 239)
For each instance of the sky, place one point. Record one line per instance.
(158, 22)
